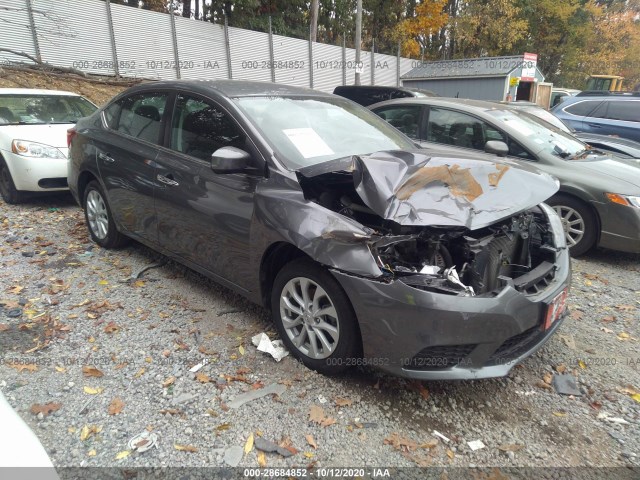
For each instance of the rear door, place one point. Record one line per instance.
(205, 217)
(622, 118)
(126, 151)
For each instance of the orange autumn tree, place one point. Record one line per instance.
(415, 32)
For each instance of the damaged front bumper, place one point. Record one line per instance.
(415, 333)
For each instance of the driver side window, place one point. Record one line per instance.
(199, 128)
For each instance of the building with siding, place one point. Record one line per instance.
(487, 78)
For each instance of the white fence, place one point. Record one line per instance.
(98, 37)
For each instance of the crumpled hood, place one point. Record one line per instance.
(415, 189)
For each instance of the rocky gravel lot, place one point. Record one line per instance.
(92, 357)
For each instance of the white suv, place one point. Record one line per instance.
(33, 139)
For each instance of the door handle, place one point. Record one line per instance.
(167, 180)
(594, 125)
(106, 158)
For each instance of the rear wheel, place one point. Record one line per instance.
(314, 317)
(578, 221)
(99, 219)
(7, 188)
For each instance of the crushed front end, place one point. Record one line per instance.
(465, 289)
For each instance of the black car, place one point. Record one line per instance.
(367, 95)
(366, 250)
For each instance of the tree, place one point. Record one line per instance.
(415, 32)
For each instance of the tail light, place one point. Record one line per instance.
(70, 134)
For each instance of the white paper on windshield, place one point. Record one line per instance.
(308, 142)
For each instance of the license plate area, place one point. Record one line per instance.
(555, 309)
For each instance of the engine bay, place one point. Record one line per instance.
(450, 260)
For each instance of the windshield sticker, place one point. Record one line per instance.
(308, 142)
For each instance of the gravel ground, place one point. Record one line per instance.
(93, 358)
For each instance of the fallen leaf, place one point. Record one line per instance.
(510, 447)
(123, 454)
(89, 430)
(623, 336)
(248, 446)
(103, 282)
(93, 391)
(241, 350)
(582, 364)
(140, 372)
(548, 377)
(30, 367)
(170, 411)
(116, 406)
(311, 441)
(262, 459)
(308, 454)
(433, 443)
(542, 384)
(111, 327)
(450, 454)
(316, 414)
(45, 409)
(91, 372)
(400, 443)
(609, 319)
(561, 368)
(185, 448)
(4, 327)
(625, 308)
(203, 377)
(576, 314)
(60, 369)
(168, 381)
(636, 397)
(343, 402)
(560, 414)
(91, 453)
(17, 289)
(138, 283)
(223, 427)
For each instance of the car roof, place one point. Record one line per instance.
(34, 91)
(233, 88)
(374, 87)
(578, 98)
(466, 103)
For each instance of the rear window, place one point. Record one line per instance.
(583, 108)
(34, 109)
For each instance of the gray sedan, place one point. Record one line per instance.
(366, 250)
(599, 197)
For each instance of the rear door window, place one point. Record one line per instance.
(627, 111)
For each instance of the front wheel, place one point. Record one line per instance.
(99, 219)
(314, 317)
(7, 188)
(578, 221)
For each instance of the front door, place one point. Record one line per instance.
(204, 217)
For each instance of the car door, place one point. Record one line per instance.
(204, 217)
(125, 154)
(622, 118)
(577, 115)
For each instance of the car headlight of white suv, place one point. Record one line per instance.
(26, 148)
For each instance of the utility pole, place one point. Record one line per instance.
(315, 6)
(358, 39)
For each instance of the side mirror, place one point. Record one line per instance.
(230, 160)
(497, 147)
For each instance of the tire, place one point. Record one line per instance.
(7, 188)
(335, 334)
(580, 219)
(99, 218)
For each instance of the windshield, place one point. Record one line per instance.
(38, 109)
(547, 117)
(539, 136)
(306, 131)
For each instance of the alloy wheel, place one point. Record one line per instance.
(572, 223)
(97, 214)
(309, 318)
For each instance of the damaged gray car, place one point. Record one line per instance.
(366, 250)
